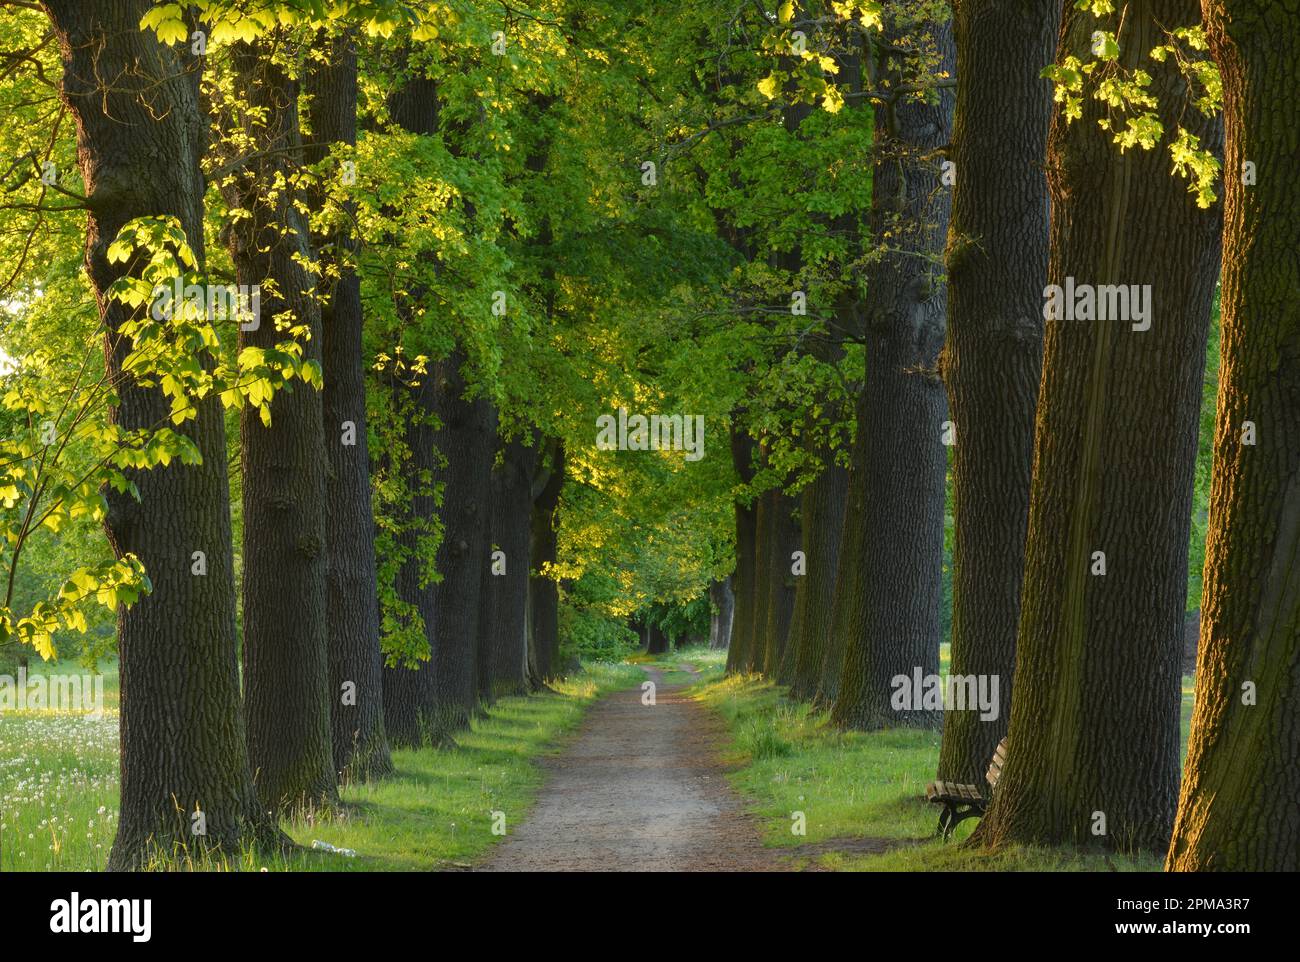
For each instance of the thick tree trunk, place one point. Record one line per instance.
(819, 648)
(822, 506)
(1094, 723)
(543, 592)
(503, 628)
(742, 630)
(355, 661)
(781, 581)
(408, 692)
(182, 731)
(765, 510)
(286, 671)
(465, 443)
(993, 359)
(723, 600)
(1240, 804)
(891, 626)
(849, 594)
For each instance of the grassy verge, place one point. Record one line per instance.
(59, 788)
(862, 794)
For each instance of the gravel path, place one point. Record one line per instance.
(641, 788)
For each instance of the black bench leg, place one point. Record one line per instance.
(946, 821)
(951, 817)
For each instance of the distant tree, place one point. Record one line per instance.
(742, 632)
(543, 593)
(723, 612)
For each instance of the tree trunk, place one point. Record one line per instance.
(465, 443)
(355, 661)
(742, 630)
(1240, 804)
(781, 581)
(543, 592)
(723, 600)
(765, 510)
(821, 522)
(1094, 724)
(822, 507)
(408, 692)
(177, 645)
(656, 642)
(286, 670)
(819, 651)
(503, 627)
(993, 359)
(892, 624)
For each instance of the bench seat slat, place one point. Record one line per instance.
(940, 791)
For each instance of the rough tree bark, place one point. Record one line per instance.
(543, 592)
(742, 629)
(724, 609)
(891, 623)
(408, 692)
(465, 442)
(182, 731)
(822, 506)
(445, 689)
(784, 543)
(993, 358)
(286, 670)
(355, 660)
(765, 509)
(1240, 804)
(821, 510)
(1094, 723)
(503, 627)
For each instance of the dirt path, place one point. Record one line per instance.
(641, 788)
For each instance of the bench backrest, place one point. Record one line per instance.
(995, 767)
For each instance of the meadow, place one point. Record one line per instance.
(59, 788)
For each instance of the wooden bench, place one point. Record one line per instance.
(961, 802)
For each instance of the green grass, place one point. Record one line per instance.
(59, 788)
(437, 811)
(58, 781)
(682, 666)
(59, 785)
(856, 786)
(684, 663)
